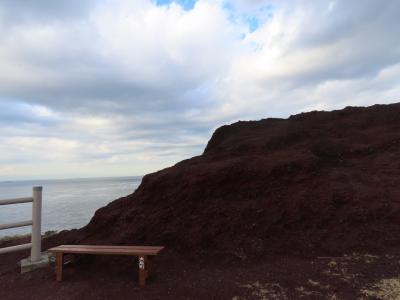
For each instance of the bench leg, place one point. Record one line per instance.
(150, 266)
(59, 265)
(142, 270)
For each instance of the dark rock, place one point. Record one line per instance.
(318, 182)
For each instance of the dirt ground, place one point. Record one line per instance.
(353, 276)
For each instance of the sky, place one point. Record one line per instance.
(126, 87)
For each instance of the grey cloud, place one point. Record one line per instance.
(360, 39)
(15, 12)
(17, 113)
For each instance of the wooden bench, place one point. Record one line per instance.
(144, 253)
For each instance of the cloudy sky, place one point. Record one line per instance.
(126, 87)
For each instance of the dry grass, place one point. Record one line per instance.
(264, 291)
(338, 272)
(385, 289)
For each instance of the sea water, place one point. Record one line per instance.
(67, 203)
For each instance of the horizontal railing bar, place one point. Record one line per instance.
(16, 201)
(16, 224)
(15, 248)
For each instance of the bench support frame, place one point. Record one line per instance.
(145, 267)
(59, 266)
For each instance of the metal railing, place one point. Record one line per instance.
(36, 222)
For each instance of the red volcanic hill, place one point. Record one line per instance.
(317, 182)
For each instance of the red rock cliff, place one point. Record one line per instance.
(317, 182)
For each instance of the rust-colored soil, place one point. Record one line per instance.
(354, 276)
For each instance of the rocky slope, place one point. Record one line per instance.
(317, 182)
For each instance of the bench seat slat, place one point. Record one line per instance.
(107, 250)
(111, 246)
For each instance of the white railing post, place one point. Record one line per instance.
(36, 260)
(36, 238)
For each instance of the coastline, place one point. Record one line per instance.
(67, 204)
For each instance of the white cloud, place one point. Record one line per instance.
(127, 87)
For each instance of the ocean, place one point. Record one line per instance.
(67, 203)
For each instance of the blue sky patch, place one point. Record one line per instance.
(252, 22)
(254, 19)
(186, 4)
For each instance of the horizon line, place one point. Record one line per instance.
(68, 178)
